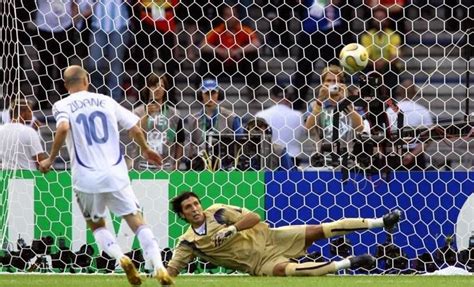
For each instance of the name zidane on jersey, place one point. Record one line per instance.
(77, 105)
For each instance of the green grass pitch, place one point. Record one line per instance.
(17, 280)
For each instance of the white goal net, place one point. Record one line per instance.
(246, 104)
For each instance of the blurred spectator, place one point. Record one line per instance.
(395, 10)
(415, 116)
(196, 15)
(109, 24)
(83, 24)
(20, 144)
(279, 14)
(212, 118)
(286, 123)
(162, 125)
(458, 14)
(260, 153)
(55, 45)
(156, 39)
(383, 46)
(5, 115)
(325, 32)
(332, 96)
(194, 18)
(230, 48)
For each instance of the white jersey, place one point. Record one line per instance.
(19, 144)
(287, 127)
(414, 115)
(97, 163)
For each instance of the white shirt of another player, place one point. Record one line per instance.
(19, 143)
(287, 127)
(414, 115)
(97, 163)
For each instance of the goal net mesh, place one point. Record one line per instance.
(252, 145)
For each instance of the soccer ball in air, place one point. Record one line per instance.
(353, 58)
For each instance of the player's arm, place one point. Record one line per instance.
(39, 158)
(36, 148)
(59, 138)
(182, 255)
(247, 221)
(131, 122)
(173, 272)
(137, 135)
(236, 223)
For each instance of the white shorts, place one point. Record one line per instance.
(94, 205)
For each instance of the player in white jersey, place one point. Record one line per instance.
(88, 122)
(20, 144)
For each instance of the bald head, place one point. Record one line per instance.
(76, 79)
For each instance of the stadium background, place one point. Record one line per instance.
(432, 199)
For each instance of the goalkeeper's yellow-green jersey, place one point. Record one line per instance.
(242, 252)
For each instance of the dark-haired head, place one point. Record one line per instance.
(176, 202)
(20, 110)
(155, 82)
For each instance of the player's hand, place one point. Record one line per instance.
(45, 165)
(152, 157)
(224, 234)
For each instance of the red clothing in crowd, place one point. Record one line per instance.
(159, 13)
(388, 3)
(235, 37)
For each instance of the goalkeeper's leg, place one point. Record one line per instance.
(344, 226)
(322, 268)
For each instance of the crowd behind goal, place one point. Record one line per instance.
(247, 86)
(261, 56)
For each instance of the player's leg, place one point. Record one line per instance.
(151, 250)
(108, 244)
(104, 238)
(125, 204)
(348, 225)
(93, 207)
(322, 268)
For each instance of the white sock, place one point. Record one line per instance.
(150, 248)
(374, 223)
(107, 243)
(343, 264)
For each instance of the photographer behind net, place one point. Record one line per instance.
(333, 118)
(259, 152)
(415, 116)
(387, 148)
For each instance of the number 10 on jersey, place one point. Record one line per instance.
(90, 130)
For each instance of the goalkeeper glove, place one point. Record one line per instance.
(224, 234)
